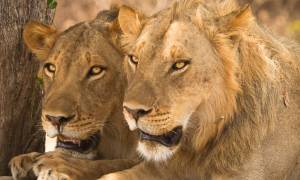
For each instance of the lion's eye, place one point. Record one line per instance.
(180, 65)
(96, 71)
(133, 59)
(49, 69)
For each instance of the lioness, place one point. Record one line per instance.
(213, 94)
(83, 86)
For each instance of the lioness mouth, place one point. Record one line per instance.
(78, 145)
(169, 139)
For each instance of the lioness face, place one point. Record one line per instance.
(172, 71)
(82, 84)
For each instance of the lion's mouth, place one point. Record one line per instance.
(168, 139)
(78, 145)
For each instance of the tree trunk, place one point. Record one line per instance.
(20, 95)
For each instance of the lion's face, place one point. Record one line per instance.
(168, 87)
(174, 74)
(170, 75)
(83, 84)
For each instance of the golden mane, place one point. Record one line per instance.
(255, 90)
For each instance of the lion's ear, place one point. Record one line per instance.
(130, 21)
(39, 38)
(236, 20)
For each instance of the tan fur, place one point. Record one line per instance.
(95, 101)
(238, 101)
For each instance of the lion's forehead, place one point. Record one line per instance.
(152, 33)
(169, 44)
(175, 40)
(75, 47)
(88, 48)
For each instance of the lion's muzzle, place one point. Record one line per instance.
(132, 115)
(59, 121)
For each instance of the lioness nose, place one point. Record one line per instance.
(137, 113)
(58, 120)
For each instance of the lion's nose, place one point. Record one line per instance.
(137, 113)
(59, 120)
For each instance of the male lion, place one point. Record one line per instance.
(82, 105)
(213, 94)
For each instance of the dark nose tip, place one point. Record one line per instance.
(137, 113)
(58, 120)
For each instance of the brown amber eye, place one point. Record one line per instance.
(180, 65)
(133, 59)
(96, 70)
(49, 69)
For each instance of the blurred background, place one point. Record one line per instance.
(280, 16)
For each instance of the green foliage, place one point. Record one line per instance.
(39, 81)
(52, 4)
(294, 28)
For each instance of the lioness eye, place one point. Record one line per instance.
(49, 69)
(180, 65)
(95, 70)
(133, 59)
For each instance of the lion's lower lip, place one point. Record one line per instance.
(169, 139)
(80, 145)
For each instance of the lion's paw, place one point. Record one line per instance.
(112, 176)
(53, 166)
(52, 174)
(22, 164)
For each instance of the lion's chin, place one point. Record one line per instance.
(153, 151)
(159, 147)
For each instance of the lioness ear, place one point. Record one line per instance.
(236, 20)
(39, 38)
(108, 19)
(129, 21)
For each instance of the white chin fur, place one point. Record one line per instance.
(157, 153)
(131, 123)
(51, 132)
(50, 144)
(132, 126)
